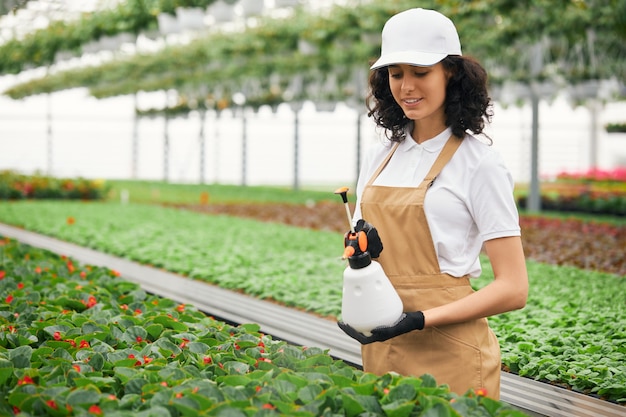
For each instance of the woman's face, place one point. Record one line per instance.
(420, 91)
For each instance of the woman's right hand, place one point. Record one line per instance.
(374, 243)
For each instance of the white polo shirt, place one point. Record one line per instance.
(471, 200)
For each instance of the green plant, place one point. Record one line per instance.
(300, 268)
(78, 340)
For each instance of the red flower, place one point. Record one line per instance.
(95, 409)
(2, 274)
(70, 266)
(72, 342)
(26, 380)
(115, 273)
(84, 344)
(123, 307)
(180, 308)
(183, 344)
(147, 359)
(38, 270)
(83, 274)
(20, 285)
(9, 299)
(52, 404)
(138, 311)
(163, 384)
(57, 336)
(92, 301)
(179, 395)
(139, 339)
(268, 406)
(207, 360)
(481, 392)
(76, 368)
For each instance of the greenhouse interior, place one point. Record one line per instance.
(171, 233)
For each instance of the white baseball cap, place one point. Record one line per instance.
(417, 37)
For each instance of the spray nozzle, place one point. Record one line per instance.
(355, 243)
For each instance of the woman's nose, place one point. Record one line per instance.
(408, 84)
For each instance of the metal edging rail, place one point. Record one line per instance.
(303, 328)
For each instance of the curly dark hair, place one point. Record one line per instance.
(467, 103)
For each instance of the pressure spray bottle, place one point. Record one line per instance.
(369, 300)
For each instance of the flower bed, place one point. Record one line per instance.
(14, 186)
(78, 340)
(594, 191)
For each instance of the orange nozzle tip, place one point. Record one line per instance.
(348, 252)
(341, 190)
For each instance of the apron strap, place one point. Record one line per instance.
(444, 157)
(383, 164)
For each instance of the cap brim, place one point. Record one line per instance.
(420, 59)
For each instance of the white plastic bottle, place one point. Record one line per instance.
(369, 300)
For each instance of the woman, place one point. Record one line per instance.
(437, 195)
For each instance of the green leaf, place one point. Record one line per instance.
(6, 370)
(234, 380)
(170, 323)
(83, 396)
(20, 356)
(154, 330)
(399, 408)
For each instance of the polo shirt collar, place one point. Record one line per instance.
(431, 145)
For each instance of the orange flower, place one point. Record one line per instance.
(71, 220)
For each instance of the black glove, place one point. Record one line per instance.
(408, 322)
(374, 244)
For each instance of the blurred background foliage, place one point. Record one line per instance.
(320, 56)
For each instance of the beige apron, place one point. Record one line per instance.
(464, 355)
